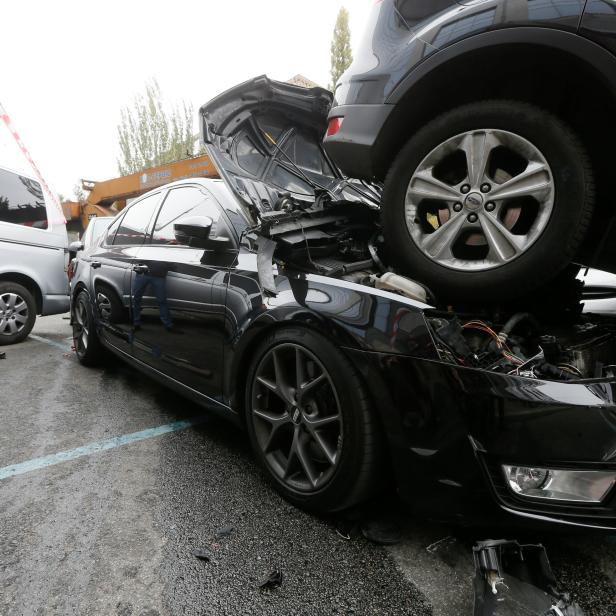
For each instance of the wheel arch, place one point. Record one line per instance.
(373, 386)
(29, 283)
(561, 72)
(243, 351)
(525, 63)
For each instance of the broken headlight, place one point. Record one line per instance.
(580, 486)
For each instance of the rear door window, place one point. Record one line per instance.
(134, 226)
(22, 201)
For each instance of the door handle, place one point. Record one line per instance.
(95, 264)
(140, 269)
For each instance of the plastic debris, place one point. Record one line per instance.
(512, 579)
(433, 547)
(2, 355)
(225, 531)
(203, 554)
(273, 580)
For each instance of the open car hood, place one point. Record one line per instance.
(265, 139)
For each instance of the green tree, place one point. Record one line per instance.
(79, 193)
(151, 134)
(342, 56)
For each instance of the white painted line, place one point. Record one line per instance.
(86, 450)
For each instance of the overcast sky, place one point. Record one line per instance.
(68, 68)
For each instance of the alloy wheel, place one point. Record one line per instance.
(81, 327)
(13, 314)
(104, 306)
(297, 417)
(479, 200)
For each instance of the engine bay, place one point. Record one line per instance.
(542, 336)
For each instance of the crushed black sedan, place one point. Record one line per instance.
(268, 297)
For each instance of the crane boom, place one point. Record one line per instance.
(103, 195)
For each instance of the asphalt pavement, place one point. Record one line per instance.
(109, 485)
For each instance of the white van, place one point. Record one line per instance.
(33, 256)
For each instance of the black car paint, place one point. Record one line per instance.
(395, 56)
(446, 425)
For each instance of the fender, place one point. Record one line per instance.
(350, 315)
(598, 59)
(26, 272)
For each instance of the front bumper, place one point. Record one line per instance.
(451, 428)
(354, 148)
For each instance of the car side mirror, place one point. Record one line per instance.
(75, 246)
(195, 232)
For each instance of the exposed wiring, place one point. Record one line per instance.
(501, 344)
(571, 369)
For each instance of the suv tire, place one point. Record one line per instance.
(501, 264)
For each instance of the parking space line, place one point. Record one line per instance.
(53, 343)
(86, 450)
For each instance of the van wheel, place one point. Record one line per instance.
(85, 339)
(17, 312)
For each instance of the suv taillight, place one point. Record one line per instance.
(335, 124)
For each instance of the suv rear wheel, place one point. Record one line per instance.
(488, 200)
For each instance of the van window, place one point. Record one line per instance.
(21, 201)
(134, 225)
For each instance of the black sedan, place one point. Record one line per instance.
(267, 297)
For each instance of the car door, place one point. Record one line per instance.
(179, 294)
(111, 263)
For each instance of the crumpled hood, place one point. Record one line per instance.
(265, 139)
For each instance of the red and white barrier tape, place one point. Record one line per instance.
(7, 120)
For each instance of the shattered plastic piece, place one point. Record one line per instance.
(513, 579)
(225, 531)
(2, 355)
(203, 554)
(433, 547)
(273, 580)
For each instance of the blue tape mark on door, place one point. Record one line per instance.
(86, 450)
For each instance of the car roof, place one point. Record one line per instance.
(20, 173)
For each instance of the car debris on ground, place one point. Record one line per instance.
(512, 579)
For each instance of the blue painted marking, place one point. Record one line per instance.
(86, 450)
(53, 343)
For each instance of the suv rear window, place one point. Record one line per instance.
(21, 201)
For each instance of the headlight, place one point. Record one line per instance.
(551, 484)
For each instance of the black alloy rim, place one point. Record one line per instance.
(297, 417)
(81, 327)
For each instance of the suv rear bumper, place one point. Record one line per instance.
(353, 147)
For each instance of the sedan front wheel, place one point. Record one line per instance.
(85, 339)
(310, 422)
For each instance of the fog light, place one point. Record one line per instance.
(559, 485)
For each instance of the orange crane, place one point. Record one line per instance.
(108, 197)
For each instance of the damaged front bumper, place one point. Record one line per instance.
(455, 430)
(513, 579)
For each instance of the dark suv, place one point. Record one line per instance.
(491, 124)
